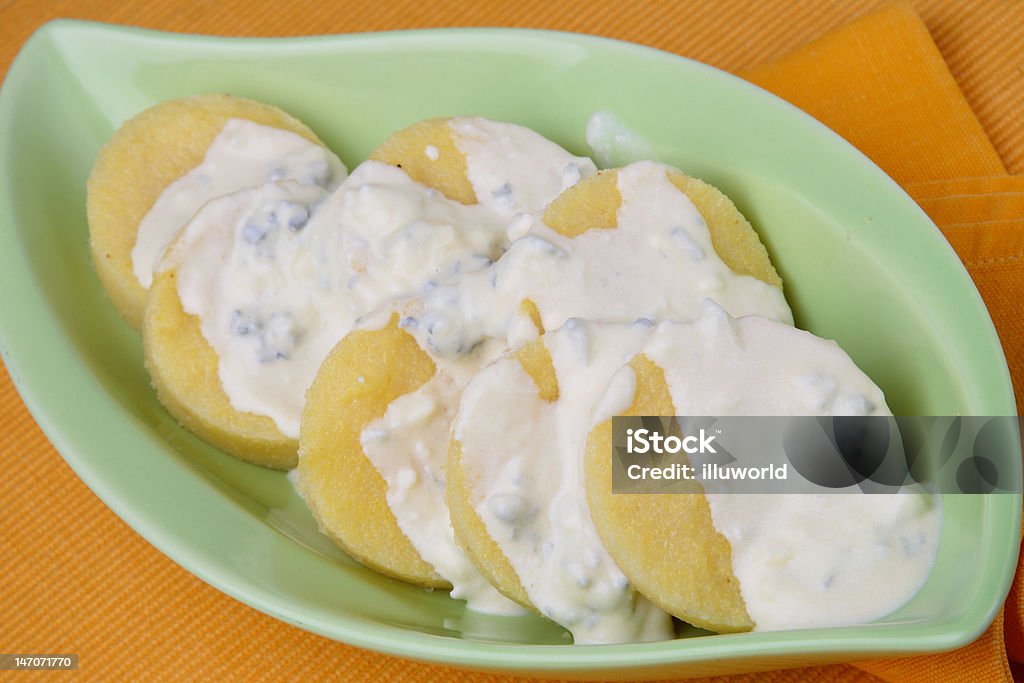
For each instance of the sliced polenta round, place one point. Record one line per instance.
(373, 453)
(473, 160)
(427, 152)
(183, 369)
(357, 382)
(734, 561)
(665, 543)
(596, 201)
(470, 530)
(188, 374)
(145, 157)
(516, 490)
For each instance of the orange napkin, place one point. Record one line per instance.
(902, 107)
(881, 83)
(983, 218)
(81, 581)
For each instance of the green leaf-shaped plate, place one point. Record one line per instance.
(862, 265)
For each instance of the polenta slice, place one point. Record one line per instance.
(680, 549)
(359, 379)
(666, 544)
(517, 488)
(182, 365)
(443, 169)
(146, 155)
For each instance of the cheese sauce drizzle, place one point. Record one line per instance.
(524, 457)
(244, 154)
(659, 263)
(802, 561)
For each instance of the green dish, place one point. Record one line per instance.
(862, 263)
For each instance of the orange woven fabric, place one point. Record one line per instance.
(932, 93)
(983, 218)
(901, 105)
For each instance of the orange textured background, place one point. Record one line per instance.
(908, 86)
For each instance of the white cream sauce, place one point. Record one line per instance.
(402, 446)
(802, 560)
(244, 154)
(524, 181)
(613, 143)
(243, 269)
(809, 561)
(524, 459)
(658, 263)
(276, 288)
